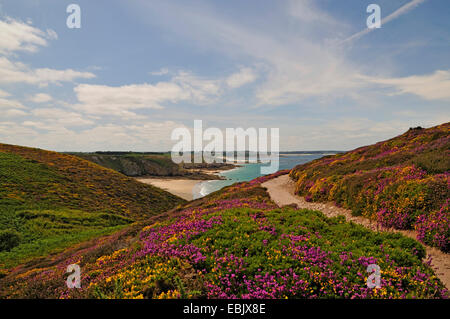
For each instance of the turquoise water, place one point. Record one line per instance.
(248, 172)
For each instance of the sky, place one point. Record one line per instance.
(137, 69)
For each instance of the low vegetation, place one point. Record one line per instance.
(236, 243)
(49, 201)
(402, 182)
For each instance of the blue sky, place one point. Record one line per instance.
(137, 69)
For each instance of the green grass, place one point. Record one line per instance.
(49, 201)
(53, 243)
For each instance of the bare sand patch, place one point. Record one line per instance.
(180, 187)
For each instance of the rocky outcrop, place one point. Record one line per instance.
(130, 165)
(160, 165)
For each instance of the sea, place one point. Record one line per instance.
(247, 172)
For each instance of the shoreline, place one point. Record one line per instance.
(199, 187)
(182, 186)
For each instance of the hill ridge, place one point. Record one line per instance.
(50, 199)
(402, 182)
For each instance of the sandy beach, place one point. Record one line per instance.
(179, 187)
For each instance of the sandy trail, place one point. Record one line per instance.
(281, 190)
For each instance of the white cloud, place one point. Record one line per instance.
(435, 86)
(197, 89)
(13, 113)
(292, 81)
(13, 133)
(19, 36)
(397, 13)
(296, 64)
(102, 99)
(121, 100)
(308, 12)
(10, 108)
(35, 124)
(162, 71)
(52, 34)
(244, 76)
(346, 133)
(17, 72)
(60, 116)
(4, 93)
(40, 98)
(152, 136)
(7, 103)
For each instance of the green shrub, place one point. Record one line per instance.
(8, 239)
(434, 162)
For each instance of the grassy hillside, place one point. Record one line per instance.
(50, 200)
(236, 243)
(402, 182)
